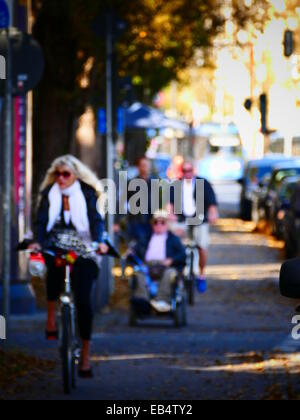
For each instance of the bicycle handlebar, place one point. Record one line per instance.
(111, 253)
(54, 254)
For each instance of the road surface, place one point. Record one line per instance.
(236, 346)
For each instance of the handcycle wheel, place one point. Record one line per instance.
(181, 314)
(68, 361)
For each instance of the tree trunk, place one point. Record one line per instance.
(53, 130)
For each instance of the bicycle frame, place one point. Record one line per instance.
(66, 299)
(192, 254)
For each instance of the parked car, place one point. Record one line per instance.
(256, 171)
(258, 199)
(292, 224)
(281, 171)
(281, 204)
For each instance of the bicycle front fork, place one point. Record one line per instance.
(67, 300)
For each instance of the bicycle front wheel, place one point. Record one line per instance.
(66, 350)
(190, 288)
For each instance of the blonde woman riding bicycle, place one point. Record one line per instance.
(67, 217)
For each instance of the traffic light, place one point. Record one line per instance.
(288, 43)
(248, 104)
(263, 106)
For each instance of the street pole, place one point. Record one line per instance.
(252, 93)
(109, 125)
(29, 135)
(7, 183)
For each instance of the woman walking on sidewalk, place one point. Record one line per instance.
(67, 216)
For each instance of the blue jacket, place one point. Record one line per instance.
(95, 219)
(175, 250)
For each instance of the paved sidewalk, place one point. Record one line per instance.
(230, 350)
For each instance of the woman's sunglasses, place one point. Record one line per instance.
(64, 174)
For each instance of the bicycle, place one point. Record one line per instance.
(69, 350)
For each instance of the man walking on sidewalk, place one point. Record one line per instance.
(139, 225)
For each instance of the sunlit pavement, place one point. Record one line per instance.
(235, 347)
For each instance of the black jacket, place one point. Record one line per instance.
(95, 219)
(175, 250)
(209, 198)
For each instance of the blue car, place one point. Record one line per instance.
(256, 177)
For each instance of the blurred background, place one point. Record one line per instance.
(215, 80)
(202, 79)
(217, 70)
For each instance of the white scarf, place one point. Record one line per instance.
(78, 207)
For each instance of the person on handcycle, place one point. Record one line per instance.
(68, 219)
(165, 256)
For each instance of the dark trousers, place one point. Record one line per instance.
(83, 276)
